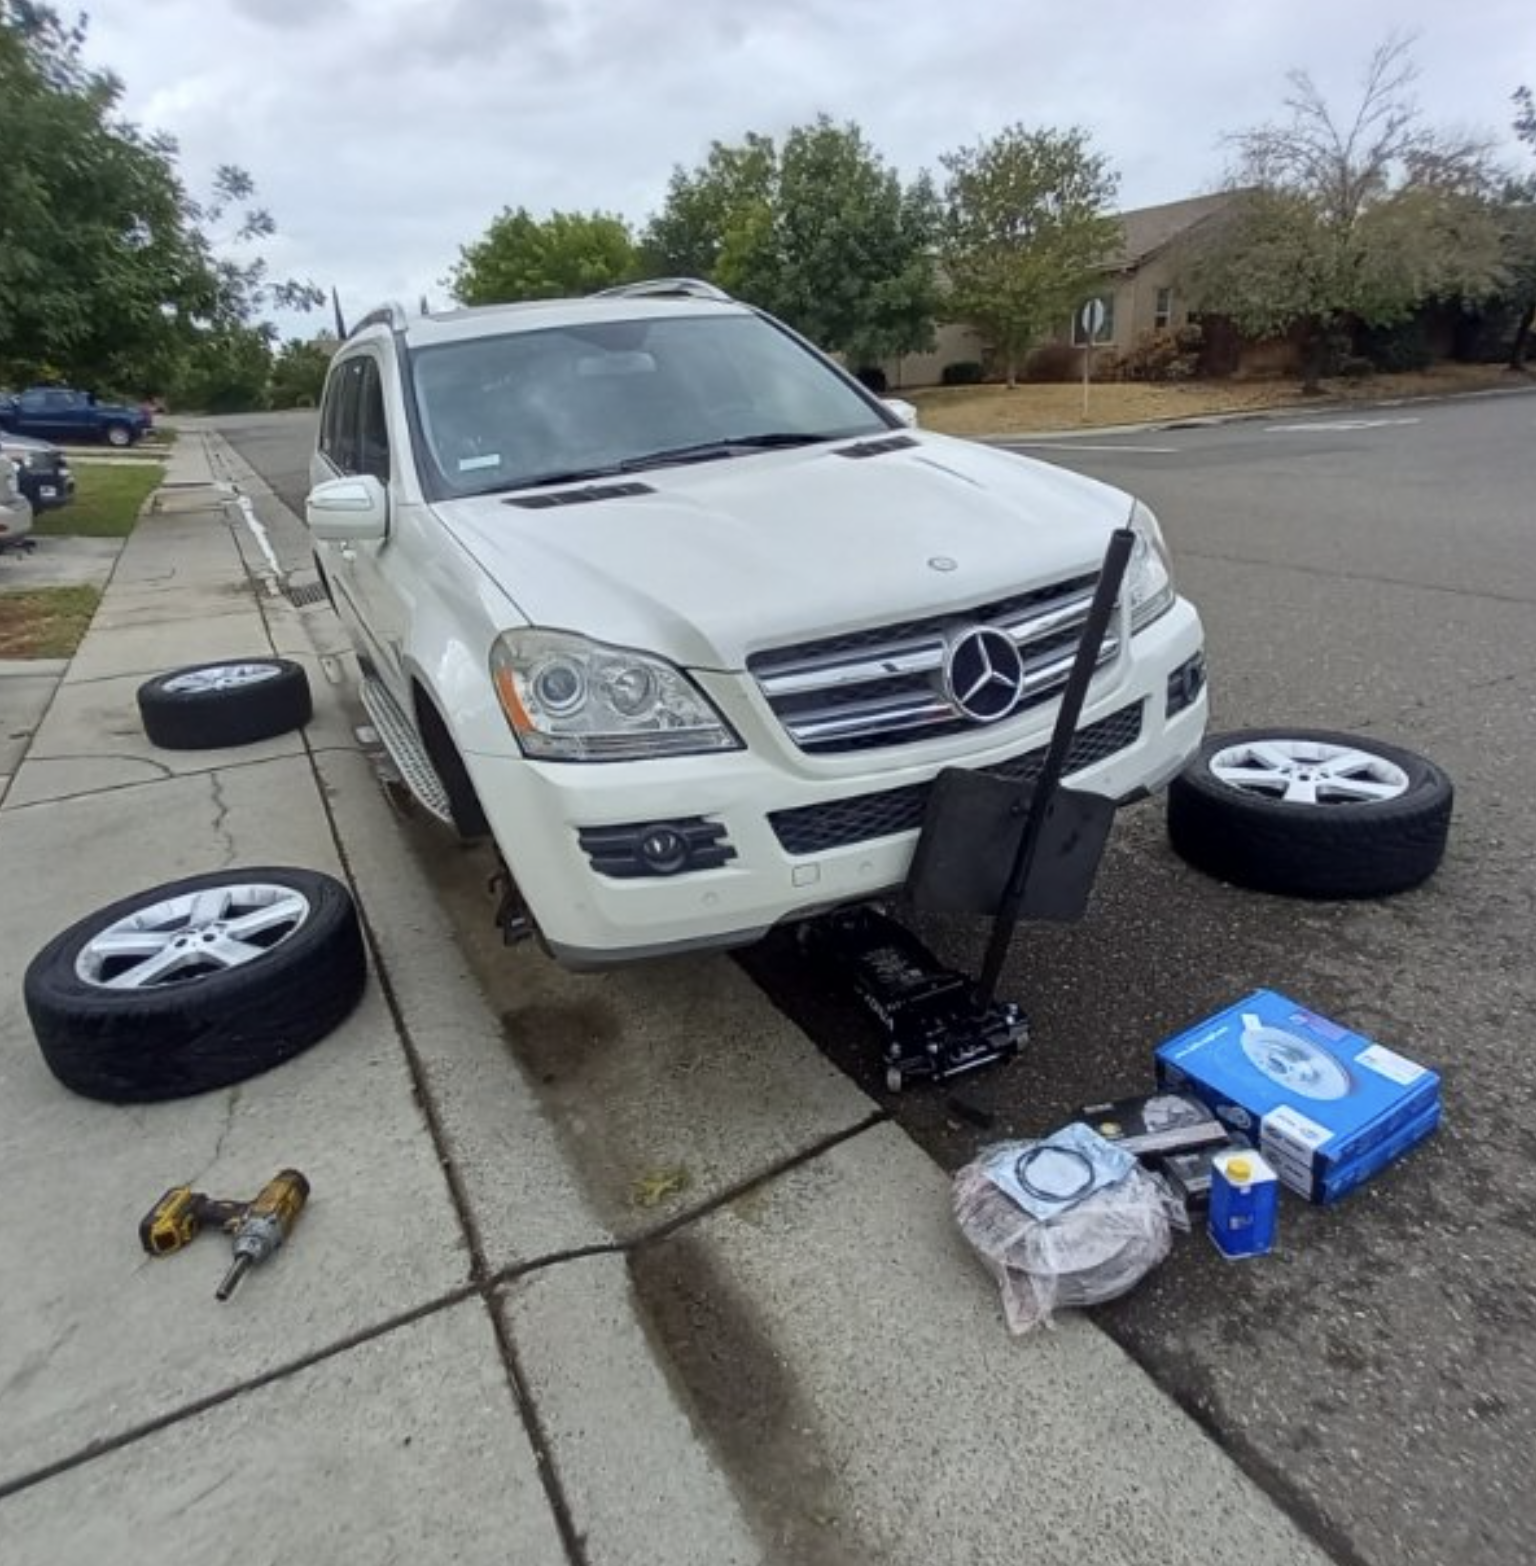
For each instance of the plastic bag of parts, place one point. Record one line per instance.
(1067, 1221)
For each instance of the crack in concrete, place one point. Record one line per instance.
(34, 1364)
(109, 755)
(231, 1105)
(219, 824)
(173, 776)
(484, 1287)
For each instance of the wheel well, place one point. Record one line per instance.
(468, 816)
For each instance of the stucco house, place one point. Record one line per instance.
(1139, 290)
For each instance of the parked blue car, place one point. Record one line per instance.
(63, 414)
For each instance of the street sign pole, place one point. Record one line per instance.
(1091, 320)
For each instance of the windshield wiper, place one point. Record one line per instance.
(559, 476)
(722, 447)
(700, 451)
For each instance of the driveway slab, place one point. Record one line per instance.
(96, 1334)
(672, 1082)
(406, 1448)
(61, 562)
(844, 1353)
(641, 1483)
(26, 687)
(95, 739)
(524, 1198)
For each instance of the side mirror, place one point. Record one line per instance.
(903, 410)
(349, 510)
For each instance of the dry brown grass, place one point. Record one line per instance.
(45, 622)
(995, 410)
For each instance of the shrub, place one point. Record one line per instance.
(1054, 362)
(1404, 346)
(1108, 365)
(962, 372)
(872, 377)
(1164, 355)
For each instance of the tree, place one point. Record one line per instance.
(225, 369)
(855, 272)
(717, 220)
(1025, 234)
(1346, 221)
(298, 373)
(820, 232)
(110, 273)
(93, 243)
(1519, 212)
(564, 255)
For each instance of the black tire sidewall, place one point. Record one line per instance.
(1365, 849)
(220, 719)
(127, 1046)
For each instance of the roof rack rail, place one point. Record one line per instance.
(391, 315)
(666, 288)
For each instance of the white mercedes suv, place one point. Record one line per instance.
(654, 592)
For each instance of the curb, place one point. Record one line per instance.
(1325, 404)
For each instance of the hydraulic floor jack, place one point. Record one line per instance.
(1008, 849)
(935, 1021)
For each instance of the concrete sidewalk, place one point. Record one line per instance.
(478, 1346)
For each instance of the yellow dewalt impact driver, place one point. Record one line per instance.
(257, 1227)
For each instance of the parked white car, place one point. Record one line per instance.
(660, 596)
(15, 508)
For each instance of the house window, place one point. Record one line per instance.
(1106, 332)
(1162, 315)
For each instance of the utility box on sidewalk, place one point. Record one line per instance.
(1328, 1107)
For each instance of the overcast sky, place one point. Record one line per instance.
(383, 134)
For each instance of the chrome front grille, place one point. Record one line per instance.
(839, 823)
(886, 687)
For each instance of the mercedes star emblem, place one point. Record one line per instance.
(983, 674)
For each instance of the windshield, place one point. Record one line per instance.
(595, 398)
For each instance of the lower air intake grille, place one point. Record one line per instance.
(812, 829)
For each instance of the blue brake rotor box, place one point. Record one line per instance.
(1321, 1101)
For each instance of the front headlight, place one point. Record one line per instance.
(1149, 576)
(568, 699)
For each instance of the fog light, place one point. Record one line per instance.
(652, 848)
(1185, 684)
(664, 850)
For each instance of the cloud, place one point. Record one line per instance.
(284, 14)
(383, 136)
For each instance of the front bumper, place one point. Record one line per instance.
(808, 833)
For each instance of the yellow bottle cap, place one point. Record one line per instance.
(1239, 1169)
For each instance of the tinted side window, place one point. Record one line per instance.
(372, 433)
(338, 434)
(329, 402)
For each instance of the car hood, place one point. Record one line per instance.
(715, 561)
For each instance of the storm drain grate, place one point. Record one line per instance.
(302, 597)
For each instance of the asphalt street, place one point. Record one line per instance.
(1369, 572)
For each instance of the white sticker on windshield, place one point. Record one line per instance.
(470, 464)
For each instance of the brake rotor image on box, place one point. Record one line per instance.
(1297, 1064)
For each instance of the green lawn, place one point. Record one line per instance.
(45, 622)
(108, 496)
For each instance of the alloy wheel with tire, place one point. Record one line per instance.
(209, 706)
(196, 984)
(1311, 813)
(119, 435)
